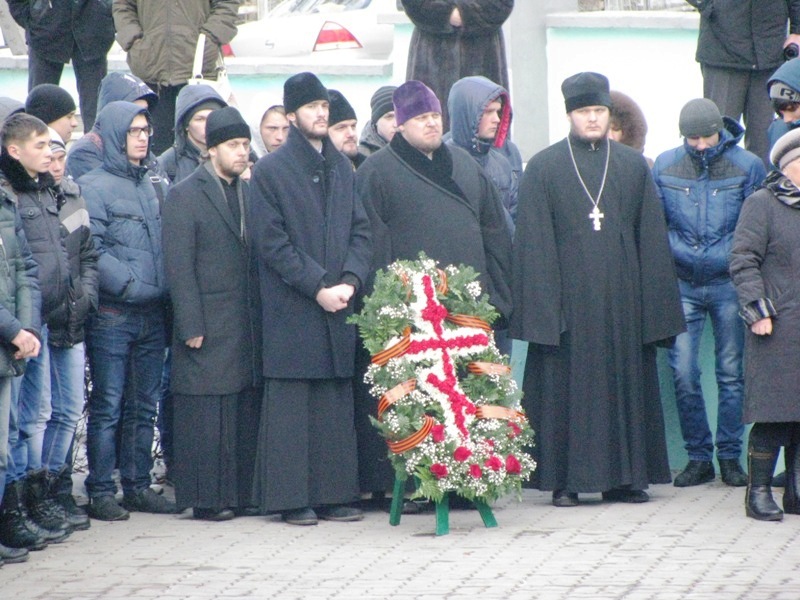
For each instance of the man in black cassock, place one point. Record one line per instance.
(594, 291)
(216, 366)
(311, 238)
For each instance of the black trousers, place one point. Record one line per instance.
(163, 116)
(88, 75)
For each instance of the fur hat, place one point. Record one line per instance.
(225, 124)
(628, 117)
(340, 108)
(412, 99)
(49, 102)
(786, 149)
(585, 89)
(700, 118)
(302, 89)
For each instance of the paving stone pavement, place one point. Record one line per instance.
(690, 543)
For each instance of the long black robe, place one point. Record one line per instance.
(592, 304)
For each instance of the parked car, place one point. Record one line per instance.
(328, 30)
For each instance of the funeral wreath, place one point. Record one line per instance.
(448, 406)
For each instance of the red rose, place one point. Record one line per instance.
(437, 431)
(494, 463)
(439, 470)
(475, 471)
(515, 430)
(512, 464)
(461, 454)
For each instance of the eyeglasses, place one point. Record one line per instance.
(136, 132)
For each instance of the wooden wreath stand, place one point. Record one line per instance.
(442, 509)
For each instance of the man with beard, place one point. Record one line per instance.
(311, 239)
(422, 195)
(342, 130)
(594, 290)
(215, 341)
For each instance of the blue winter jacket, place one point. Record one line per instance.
(702, 193)
(468, 98)
(125, 217)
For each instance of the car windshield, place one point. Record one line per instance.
(290, 7)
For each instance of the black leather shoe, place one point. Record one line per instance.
(247, 511)
(341, 512)
(301, 516)
(731, 472)
(565, 499)
(626, 495)
(696, 472)
(13, 555)
(209, 514)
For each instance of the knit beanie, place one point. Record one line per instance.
(412, 99)
(225, 124)
(381, 102)
(585, 89)
(56, 143)
(340, 108)
(785, 82)
(49, 102)
(786, 149)
(302, 89)
(700, 118)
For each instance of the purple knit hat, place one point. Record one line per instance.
(412, 99)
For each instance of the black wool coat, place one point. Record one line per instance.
(440, 54)
(309, 230)
(214, 289)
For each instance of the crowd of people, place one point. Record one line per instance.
(205, 268)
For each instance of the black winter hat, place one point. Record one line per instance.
(381, 102)
(49, 102)
(302, 89)
(340, 108)
(225, 124)
(700, 118)
(586, 89)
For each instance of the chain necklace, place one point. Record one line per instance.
(595, 215)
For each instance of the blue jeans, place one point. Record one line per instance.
(5, 409)
(66, 401)
(30, 411)
(721, 304)
(126, 356)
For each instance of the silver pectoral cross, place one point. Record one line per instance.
(596, 215)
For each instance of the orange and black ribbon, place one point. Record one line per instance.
(395, 350)
(487, 368)
(415, 439)
(394, 394)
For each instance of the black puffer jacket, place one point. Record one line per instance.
(66, 323)
(37, 207)
(744, 34)
(60, 29)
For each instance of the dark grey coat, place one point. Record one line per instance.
(765, 264)
(309, 230)
(213, 288)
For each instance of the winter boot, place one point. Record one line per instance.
(791, 493)
(42, 509)
(14, 532)
(75, 515)
(758, 498)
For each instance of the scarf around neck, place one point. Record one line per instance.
(783, 189)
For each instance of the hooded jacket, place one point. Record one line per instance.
(370, 141)
(123, 201)
(37, 207)
(66, 323)
(180, 160)
(60, 29)
(788, 73)
(86, 153)
(702, 193)
(468, 99)
(160, 37)
(744, 34)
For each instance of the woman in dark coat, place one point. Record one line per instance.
(765, 267)
(454, 39)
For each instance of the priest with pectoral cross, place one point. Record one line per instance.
(594, 292)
